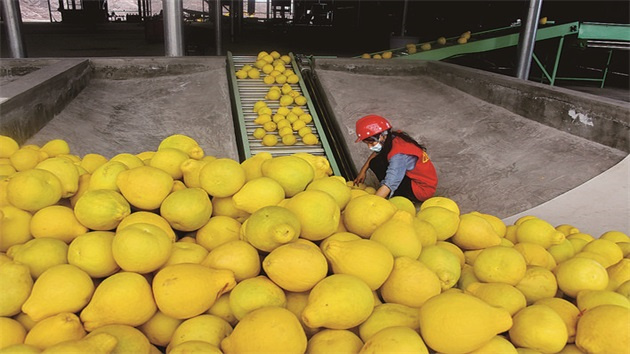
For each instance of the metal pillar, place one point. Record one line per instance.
(527, 39)
(217, 24)
(404, 20)
(173, 28)
(13, 22)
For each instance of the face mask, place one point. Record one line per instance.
(377, 148)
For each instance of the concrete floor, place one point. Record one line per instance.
(488, 158)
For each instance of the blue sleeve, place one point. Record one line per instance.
(399, 164)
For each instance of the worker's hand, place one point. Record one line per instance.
(360, 178)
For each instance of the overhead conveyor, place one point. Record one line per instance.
(588, 35)
(244, 95)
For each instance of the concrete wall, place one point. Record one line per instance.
(595, 118)
(30, 102)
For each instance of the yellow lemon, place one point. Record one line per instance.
(567, 229)
(317, 212)
(296, 302)
(425, 232)
(122, 298)
(55, 329)
(540, 232)
(402, 203)
(206, 328)
(92, 252)
(61, 288)
(443, 202)
(444, 263)
(410, 283)
(618, 274)
(199, 285)
(40, 254)
(589, 299)
(8, 146)
(98, 343)
(365, 214)
(90, 162)
(258, 105)
(12, 332)
(335, 187)
(396, 339)
(468, 277)
(159, 329)
(15, 227)
(497, 344)
(289, 139)
(105, 176)
(128, 160)
(270, 140)
(476, 232)
(225, 207)
(501, 295)
(454, 250)
(183, 143)
(221, 308)
(540, 328)
(218, 230)
(270, 227)
(238, 256)
(611, 320)
(145, 187)
(535, 255)
(16, 282)
(141, 248)
(611, 252)
(130, 339)
(258, 193)
(562, 251)
(186, 252)
(389, 315)
(500, 264)
(149, 218)
(334, 341)
(56, 147)
(292, 173)
(34, 189)
(320, 164)
(222, 177)
(538, 283)
(614, 236)
(187, 209)
(295, 266)
(66, 171)
(56, 221)
(310, 139)
(169, 160)
(399, 237)
(368, 260)
(443, 220)
(578, 274)
(566, 310)
(7, 170)
(255, 293)
(286, 59)
(470, 322)
(25, 159)
(270, 329)
(101, 209)
(339, 301)
(253, 73)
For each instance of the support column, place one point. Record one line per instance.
(217, 24)
(13, 27)
(527, 39)
(173, 28)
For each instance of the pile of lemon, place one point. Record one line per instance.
(272, 67)
(172, 250)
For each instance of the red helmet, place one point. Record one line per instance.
(371, 125)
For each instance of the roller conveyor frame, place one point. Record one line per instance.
(246, 92)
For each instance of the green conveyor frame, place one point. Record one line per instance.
(590, 34)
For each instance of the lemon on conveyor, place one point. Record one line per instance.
(286, 59)
(283, 123)
(270, 140)
(289, 72)
(292, 78)
(260, 63)
(292, 117)
(246, 67)
(304, 130)
(261, 54)
(387, 55)
(275, 73)
(269, 80)
(285, 131)
(289, 139)
(259, 104)
(273, 95)
(462, 40)
(275, 54)
(283, 111)
(267, 68)
(377, 56)
(253, 74)
(277, 118)
(426, 46)
(286, 100)
(265, 110)
(281, 79)
(259, 133)
(270, 126)
(310, 139)
(268, 59)
(307, 118)
(241, 74)
(366, 56)
(300, 100)
(286, 88)
(262, 119)
(298, 124)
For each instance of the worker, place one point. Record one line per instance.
(400, 163)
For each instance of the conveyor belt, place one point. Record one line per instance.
(246, 92)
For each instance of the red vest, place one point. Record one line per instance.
(423, 176)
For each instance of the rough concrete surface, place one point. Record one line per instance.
(488, 159)
(130, 116)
